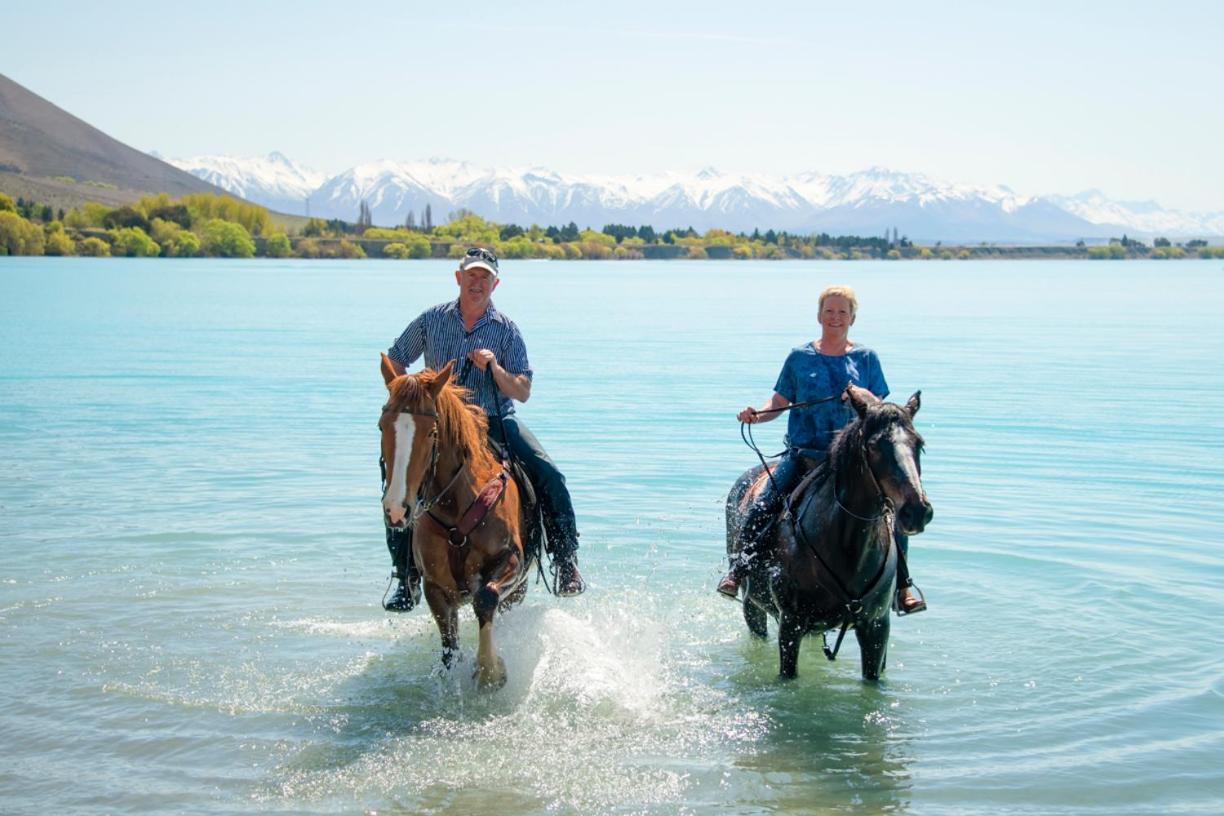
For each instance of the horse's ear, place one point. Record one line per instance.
(388, 370)
(444, 375)
(914, 403)
(859, 399)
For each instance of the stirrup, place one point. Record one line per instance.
(567, 580)
(406, 597)
(916, 608)
(729, 587)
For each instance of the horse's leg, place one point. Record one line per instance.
(872, 637)
(491, 669)
(754, 615)
(790, 635)
(446, 615)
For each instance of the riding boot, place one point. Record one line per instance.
(758, 521)
(407, 592)
(752, 541)
(563, 547)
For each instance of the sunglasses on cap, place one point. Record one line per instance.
(482, 254)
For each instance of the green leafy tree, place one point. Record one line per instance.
(205, 207)
(395, 250)
(133, 242)
(419, 247)
(18, 236)
(93, 247)
(7, 204)
(126, 217)
(226, 239)
(277, 246)
(58, 243)
(184, 244)
(385, 234)
(88, 215)
(416, 246)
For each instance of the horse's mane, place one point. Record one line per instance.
(461, 425)
(847, 444)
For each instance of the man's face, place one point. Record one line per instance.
(476, 284)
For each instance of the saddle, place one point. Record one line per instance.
(533, 534)
(804, 488)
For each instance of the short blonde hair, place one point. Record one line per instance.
(839, 291)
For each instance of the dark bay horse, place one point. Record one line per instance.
(466, 512)
(833, 562)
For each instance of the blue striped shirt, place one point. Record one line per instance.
(439, 334)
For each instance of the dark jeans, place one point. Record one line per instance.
(903, 574)
(559, 523)
(787, 474)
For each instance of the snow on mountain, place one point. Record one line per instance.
(1142, 217)
(864, 203)
(273, 180)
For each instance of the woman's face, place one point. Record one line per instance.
(835, 315)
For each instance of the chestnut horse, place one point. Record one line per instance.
(831, 560)
(465, 511)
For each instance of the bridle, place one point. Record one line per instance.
(425, 505)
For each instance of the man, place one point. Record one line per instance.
(471, 332)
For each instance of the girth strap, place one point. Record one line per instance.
(474, 516)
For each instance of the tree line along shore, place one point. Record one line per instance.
(213, 226)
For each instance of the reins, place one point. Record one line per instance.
(746, 429)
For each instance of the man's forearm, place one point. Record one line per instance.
(514, 386)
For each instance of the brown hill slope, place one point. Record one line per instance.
(41, 145)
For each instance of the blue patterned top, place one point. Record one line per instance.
(809, 375)
(438, 333)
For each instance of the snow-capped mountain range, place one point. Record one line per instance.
(864, 203)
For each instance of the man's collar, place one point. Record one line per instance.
(490, 313)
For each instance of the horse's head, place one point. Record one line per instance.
(409, 427)
(893, 449)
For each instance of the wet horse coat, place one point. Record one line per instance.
(468, 531)
(834, 562)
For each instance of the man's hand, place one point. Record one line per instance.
(483, 358)
(748, 415)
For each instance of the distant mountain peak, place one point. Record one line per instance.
(865, 202)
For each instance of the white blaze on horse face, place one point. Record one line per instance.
(397, 487)
(903, 450)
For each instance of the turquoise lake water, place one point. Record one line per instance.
(191, 555)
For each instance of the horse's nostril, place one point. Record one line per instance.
(929, 514)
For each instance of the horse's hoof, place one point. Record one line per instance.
(490, 680)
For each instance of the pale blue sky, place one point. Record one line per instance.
(1041, 96)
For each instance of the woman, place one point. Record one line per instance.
(814, 371)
